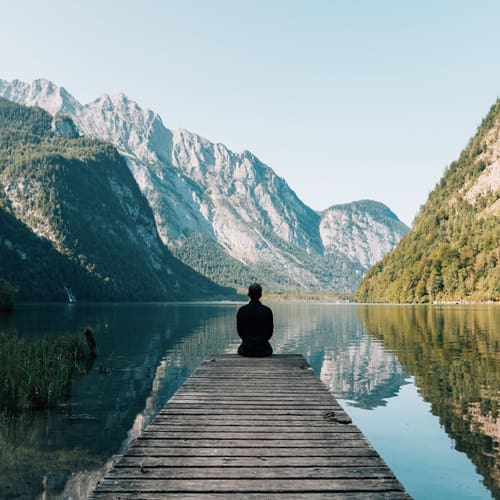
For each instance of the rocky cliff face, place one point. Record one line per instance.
(364, 230)
(231, 200)
(41, 93)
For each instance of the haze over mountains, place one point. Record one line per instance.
(225, 214)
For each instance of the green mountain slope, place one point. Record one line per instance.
(334, 271)
(72, 217)
(453, 250)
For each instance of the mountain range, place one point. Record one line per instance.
(225, 214)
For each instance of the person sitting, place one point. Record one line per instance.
(254, 323)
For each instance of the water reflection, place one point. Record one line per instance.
(454, 354)
(146, 351)
(353, 365)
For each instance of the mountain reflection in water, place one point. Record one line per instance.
(454, 355)
(364, 354)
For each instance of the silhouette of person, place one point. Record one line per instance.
(254, 323)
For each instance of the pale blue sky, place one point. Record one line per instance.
(344, 99)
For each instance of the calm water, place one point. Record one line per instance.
(422, 383)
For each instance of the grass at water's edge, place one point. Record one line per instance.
(36, 374)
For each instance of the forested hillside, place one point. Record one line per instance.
(453, 250)
(209, 258)
(73, 218)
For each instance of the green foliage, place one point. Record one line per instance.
(211, 260)
(99, 237)
(37, 269)
(452, 251)
(36, 374)
(28, 122)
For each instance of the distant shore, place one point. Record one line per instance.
(464, 302)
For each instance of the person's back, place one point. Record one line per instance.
(254, 323)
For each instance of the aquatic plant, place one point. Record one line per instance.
(37, 374)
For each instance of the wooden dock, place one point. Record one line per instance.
(247, 428)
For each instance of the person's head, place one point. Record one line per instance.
(255, 291)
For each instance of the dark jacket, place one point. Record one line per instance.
(254, 323)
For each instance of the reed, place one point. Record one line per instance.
(36, 374)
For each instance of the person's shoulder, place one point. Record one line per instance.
(266, 308)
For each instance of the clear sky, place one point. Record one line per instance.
(346, 100)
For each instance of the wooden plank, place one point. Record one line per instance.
(252, 428)
(264, 412)
(237, 395)
(226, 403)
(318, 410)
(232, 393)
(225, 472)
(198, 422)
(236, 417)
(299, 385)
(216, 451)
(248, 435)
(242, 486)
(193, 442)
(251, 461)
(235, 359)
(380, 495)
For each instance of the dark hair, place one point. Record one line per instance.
(255, 291)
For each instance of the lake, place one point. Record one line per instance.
(421, 382)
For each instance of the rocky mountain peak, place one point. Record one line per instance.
(365, 230)
(42, 93)
(135, 131)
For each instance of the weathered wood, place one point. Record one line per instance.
(255, 429)
(358, 495)
(256, 418)
(258, 405)
(252, 461)
(255, 399)
(223, 472)
(225, 435)
(194, 442)
(266, 412)
(259, 426)
(242, 486)
(217, 451)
